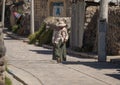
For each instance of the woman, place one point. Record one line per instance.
(59, 39)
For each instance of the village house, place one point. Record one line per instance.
(45, 8)
(55, 8)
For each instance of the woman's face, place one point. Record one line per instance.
(60, 27)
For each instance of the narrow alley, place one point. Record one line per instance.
(33, 65)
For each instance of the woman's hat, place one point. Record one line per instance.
(61, 24)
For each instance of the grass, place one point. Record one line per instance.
(7, 81)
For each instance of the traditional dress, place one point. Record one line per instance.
(59, 39)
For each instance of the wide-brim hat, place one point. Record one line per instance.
(61, 24)
(9, 2)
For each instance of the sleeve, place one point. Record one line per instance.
(53, 37)
(65, 34)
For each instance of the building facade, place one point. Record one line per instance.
(45, 8)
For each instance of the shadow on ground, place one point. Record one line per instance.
(117, 76)
(47, 52)
(82, 56)
(96, 65)
(99, 66)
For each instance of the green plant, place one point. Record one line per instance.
(8, 81)
(45, 37)
(15, 28)
(34, 37)
(20, 11)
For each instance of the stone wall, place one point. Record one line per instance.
(113, 31)
(2, 69)
(90, 27)
(40, 12)
(2, 54)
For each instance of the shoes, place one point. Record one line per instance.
(64, 59)
(58, 60)
(54, 58)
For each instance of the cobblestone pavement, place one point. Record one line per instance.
(32, 61)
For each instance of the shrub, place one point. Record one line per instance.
(7, 81)
(15, 28)
(42, 36)
(34, 37)
(45, 37)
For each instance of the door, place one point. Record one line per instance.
(58, 9)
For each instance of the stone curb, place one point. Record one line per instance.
(16, 36)
(12, 79)
(16, 77)
(116, 61)
(23, 76)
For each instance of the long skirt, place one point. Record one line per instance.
(59, 51)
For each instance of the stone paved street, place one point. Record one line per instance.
(34, 66)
